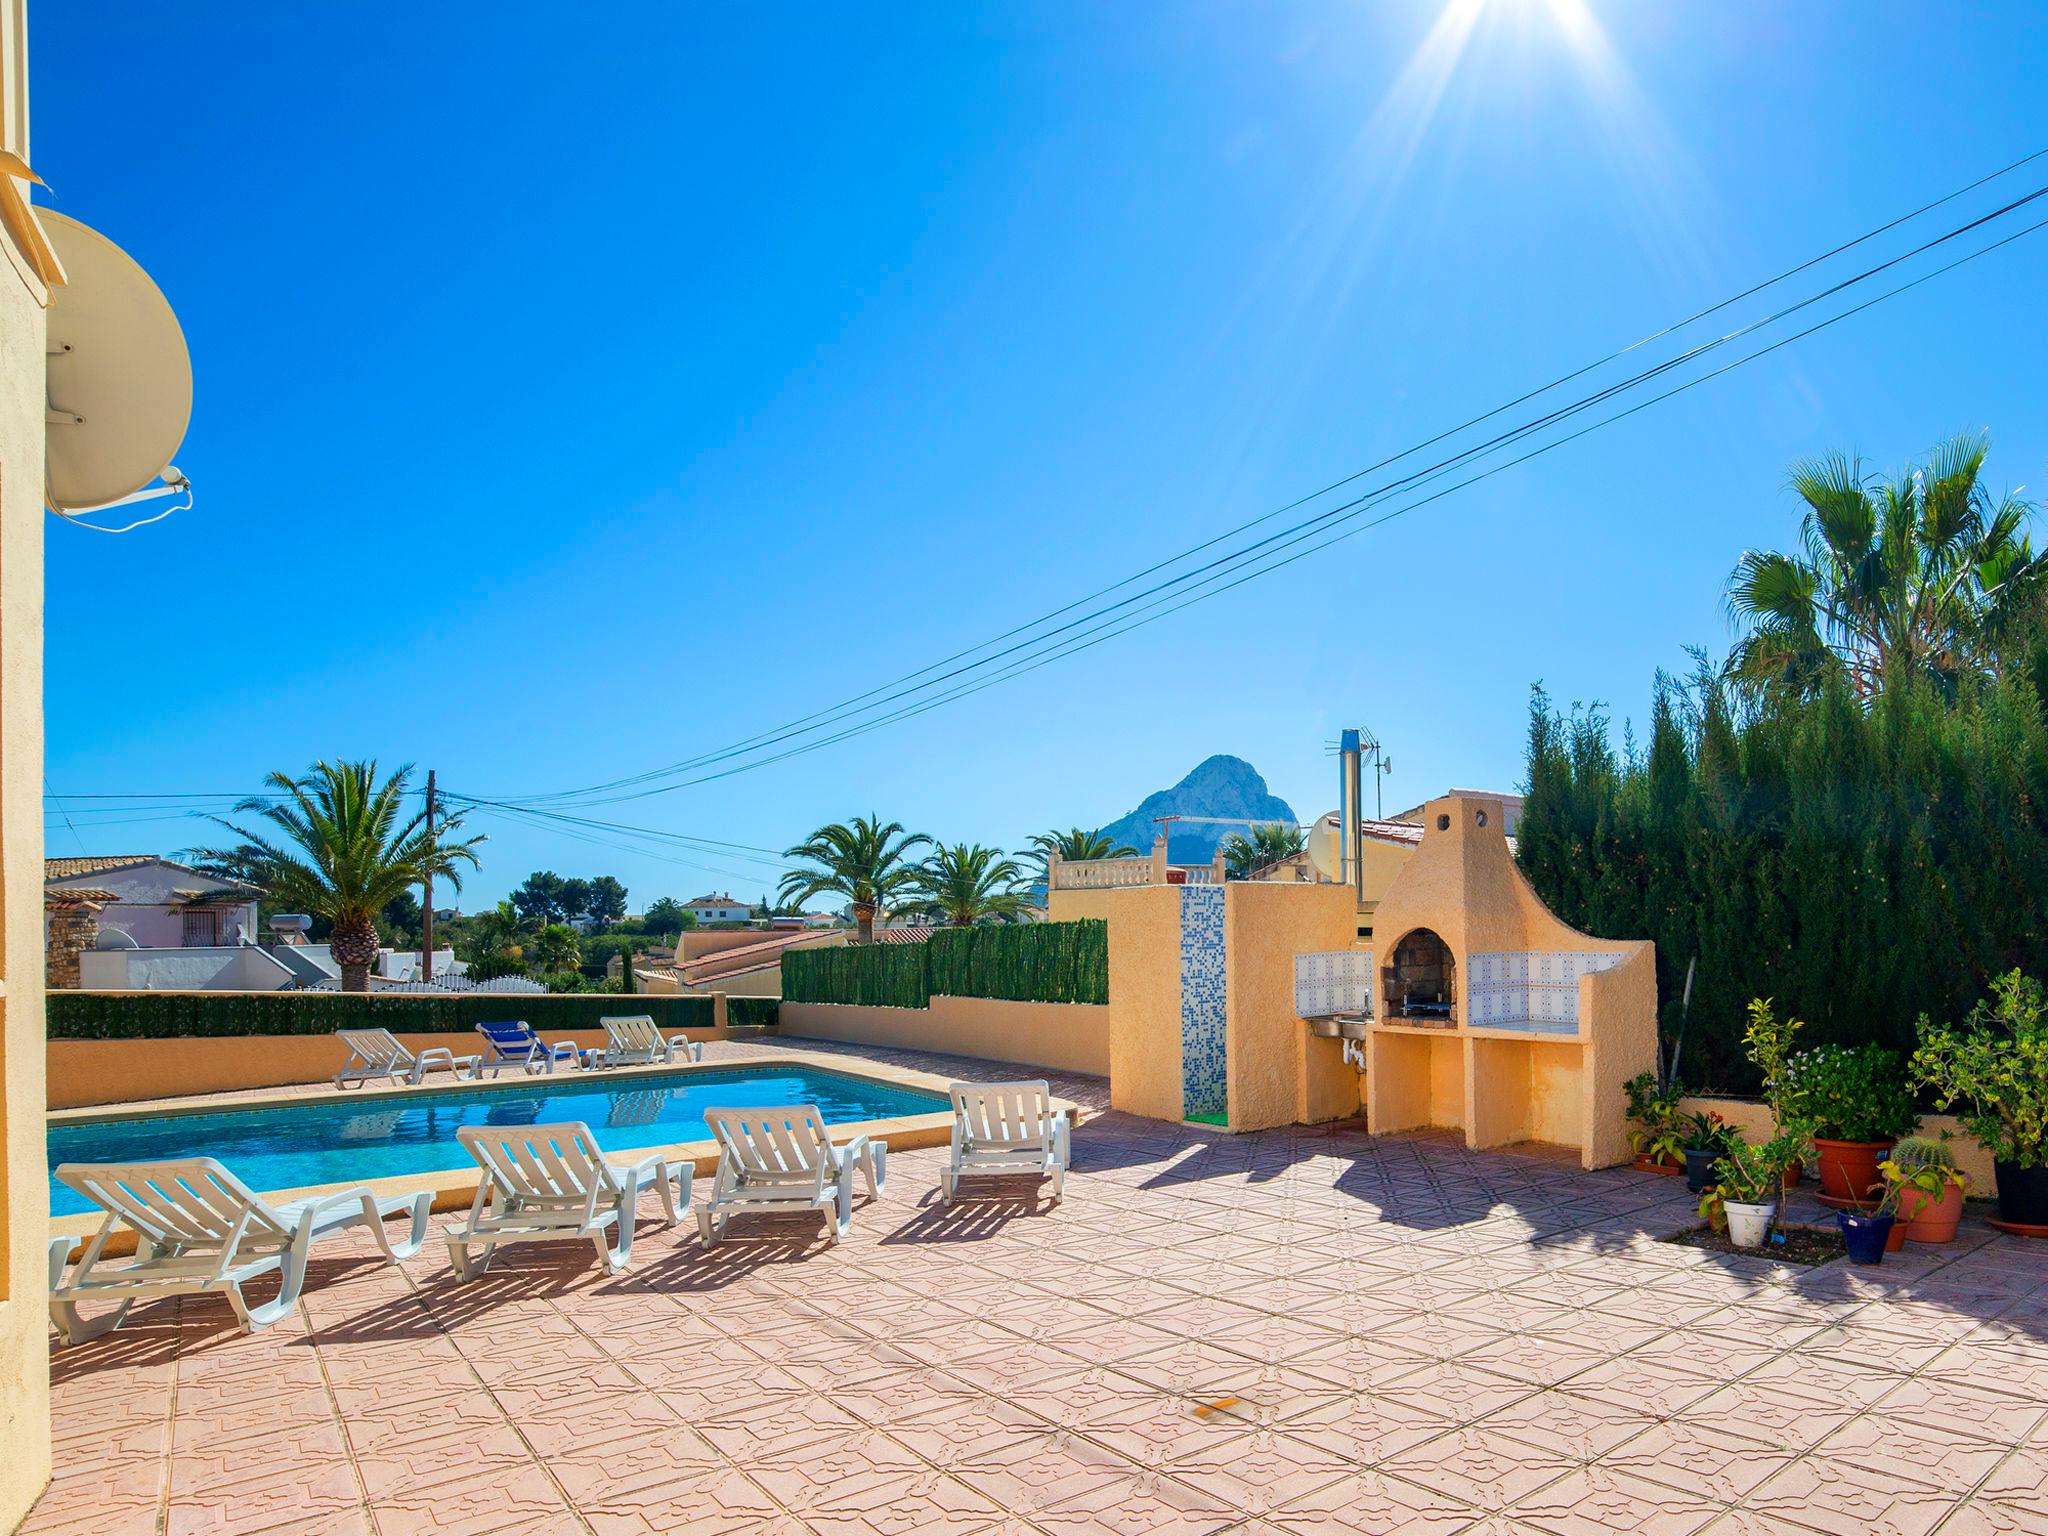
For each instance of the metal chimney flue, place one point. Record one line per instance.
(1351, 799)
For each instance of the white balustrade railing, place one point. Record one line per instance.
(1100, 874)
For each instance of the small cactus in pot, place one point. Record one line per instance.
(1927, 1188)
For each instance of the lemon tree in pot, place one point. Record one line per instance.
(1767, 1041)
(1996, 1066)
(1926, 1188)
(1749, 1180)
(1856, 1105)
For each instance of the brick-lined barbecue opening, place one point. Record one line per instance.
(1418, 984)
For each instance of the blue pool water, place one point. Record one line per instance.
(347, 1137)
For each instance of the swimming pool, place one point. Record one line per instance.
(345, 1138)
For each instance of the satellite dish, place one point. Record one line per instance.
(1324, 851)
(120, 390)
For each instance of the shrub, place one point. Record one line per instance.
(752, 1010)
(1997, 1064)
(1851, 1095)
(213, 1015)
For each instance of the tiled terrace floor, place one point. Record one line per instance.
(1294, 1332)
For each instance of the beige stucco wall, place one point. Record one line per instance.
(1144, 1000)
(88, 1072)
(1462, 885)
(762, 983)
(1268, 1049)
(24, 1348)
(1062, 1037)
(1753, 1119)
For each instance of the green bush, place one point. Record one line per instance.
(1024, 962)
(1861, 861)
(189, 1015)
(751, 1010)
(1851, 1095)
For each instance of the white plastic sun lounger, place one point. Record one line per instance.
(546, 1183)
(1007, 1128)
(375, 1053)
(199, 1228)
(782, 1159)
(635, 1040)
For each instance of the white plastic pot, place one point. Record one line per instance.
(1747, 1224)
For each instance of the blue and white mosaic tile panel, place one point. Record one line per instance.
(1203, 1078)
(1333, 981)
(1535, 990)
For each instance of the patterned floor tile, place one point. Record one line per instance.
(1289, 1333)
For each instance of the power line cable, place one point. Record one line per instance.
(1127, 623)
(1344, 512)
(841, 710)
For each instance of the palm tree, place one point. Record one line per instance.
(557, 948)
(866, 863)
(1072, 845)
(1920, 575)
(968, 884)
(347, 848)
(1270, 842)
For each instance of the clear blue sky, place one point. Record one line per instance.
(581, 390)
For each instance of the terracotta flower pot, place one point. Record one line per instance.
(1657, 1165)
(1895, 1239)
(1794, 1172)
(1848, 1169)
(1929, 1218)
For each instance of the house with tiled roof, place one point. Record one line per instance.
(97, 910)
(718, 909)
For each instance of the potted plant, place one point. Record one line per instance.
(1658, 1140)
(1927, 1189)
(1997, 1065)
(1856, 1104)
(1872, 1232)
(1749, 1182)
(1768, 1043)
(1704, 1136)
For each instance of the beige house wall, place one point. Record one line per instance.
(1144, 1000)
(1061, 1037)
(1504, 1086)
(1267, 1046)
(1072, 906)
(762, 983)
(24, 1347)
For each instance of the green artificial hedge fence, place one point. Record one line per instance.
(876, 975)
(1024, 962)
(186, 1015)
(751, 1010)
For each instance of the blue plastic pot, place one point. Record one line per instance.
(1864, 1235)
